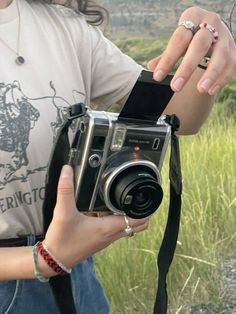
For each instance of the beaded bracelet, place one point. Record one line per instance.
(52, 262)
(37, 274)
(211, 29)
(66, 269)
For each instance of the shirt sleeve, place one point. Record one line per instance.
(113, 74)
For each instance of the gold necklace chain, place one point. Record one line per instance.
(19, 59)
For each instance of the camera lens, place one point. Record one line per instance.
(141, 199)
(136, 192)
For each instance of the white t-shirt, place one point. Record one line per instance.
(66, 61)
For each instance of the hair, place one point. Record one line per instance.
(95, 13)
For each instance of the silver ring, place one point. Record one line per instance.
(188, 25)
(128, 229)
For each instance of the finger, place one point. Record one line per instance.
(65, 189)
(222, 81)
(215, 67)
(152, 64)
(197, 50)
(175, 49)
(134, 230)
(118, 224)
(139, 228)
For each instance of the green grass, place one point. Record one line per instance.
(128, 267)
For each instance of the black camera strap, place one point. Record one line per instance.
(167, 249)
(61, 285)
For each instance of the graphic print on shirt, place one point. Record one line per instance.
(18, 118)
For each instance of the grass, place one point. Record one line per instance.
(128, 267)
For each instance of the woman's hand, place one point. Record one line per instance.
(73, 236)
(193, 47)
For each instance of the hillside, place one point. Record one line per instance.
(131, 18)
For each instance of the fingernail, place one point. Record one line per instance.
(206, 84)
(158, 75)
(178, 84)
(66, 171)
(214, 90)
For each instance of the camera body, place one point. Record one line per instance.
(117, 165)
(117, 160)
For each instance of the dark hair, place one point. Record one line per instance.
(95, 13)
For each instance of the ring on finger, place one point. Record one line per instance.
(128, 229)
(211, 29)
(132, 234)
(188, 25)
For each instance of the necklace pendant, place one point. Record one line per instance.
(20, 60)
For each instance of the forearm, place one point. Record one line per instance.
(17, 263)
(191, 107)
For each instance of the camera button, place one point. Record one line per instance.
(156, 143)
(94, 160)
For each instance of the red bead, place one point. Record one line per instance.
(49, 260)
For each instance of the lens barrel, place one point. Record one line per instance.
(136, 192)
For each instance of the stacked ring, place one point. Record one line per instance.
(190, 26)
(211, 29)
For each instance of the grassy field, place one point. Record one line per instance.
(207, 234)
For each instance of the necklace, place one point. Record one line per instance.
(19, 59)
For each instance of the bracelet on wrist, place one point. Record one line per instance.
(51, 260)
(37, 274)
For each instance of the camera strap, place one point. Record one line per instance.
(61, 285)
(167, 249)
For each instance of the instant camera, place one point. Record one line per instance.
(117, 157)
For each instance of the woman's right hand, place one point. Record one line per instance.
(73, 236)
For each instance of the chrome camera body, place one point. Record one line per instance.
(118, 158)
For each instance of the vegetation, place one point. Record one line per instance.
(128, 267)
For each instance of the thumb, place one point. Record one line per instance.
(65, 188)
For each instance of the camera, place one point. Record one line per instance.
(117, 157)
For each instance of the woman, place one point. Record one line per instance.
(51, 58)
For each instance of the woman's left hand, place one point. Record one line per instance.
(193, 47)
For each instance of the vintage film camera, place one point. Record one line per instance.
(118, 157)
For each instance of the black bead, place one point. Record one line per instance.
(20, 60)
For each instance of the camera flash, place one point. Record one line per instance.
(118, 139)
